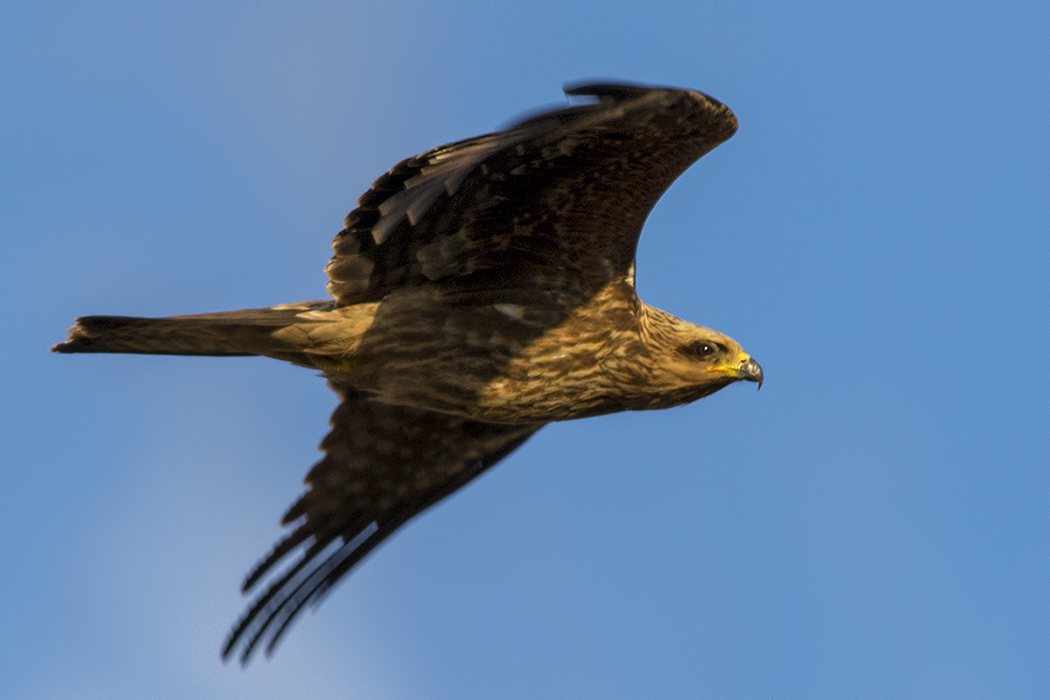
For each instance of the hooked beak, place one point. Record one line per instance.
(744, 367)
(751, 371)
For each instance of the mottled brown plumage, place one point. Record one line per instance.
(481, 289)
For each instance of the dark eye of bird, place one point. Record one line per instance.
(704, 349)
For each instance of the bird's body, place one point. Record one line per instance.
(481, 290)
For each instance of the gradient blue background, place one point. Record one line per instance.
(875, 522)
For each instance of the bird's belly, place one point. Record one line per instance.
(506, 363)
(525, 390)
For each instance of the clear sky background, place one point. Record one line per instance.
(875, 522)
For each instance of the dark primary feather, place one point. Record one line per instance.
(383, 465)
(555, 203)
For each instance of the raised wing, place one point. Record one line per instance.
(553, 204)
(383, 465)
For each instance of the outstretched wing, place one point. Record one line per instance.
(554, 204)
(383, 465)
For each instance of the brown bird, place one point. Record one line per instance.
(481, 290)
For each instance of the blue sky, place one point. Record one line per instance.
(874, 522)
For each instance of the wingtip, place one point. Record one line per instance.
(605, 90)
(613, 91)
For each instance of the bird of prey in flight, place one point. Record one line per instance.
(480, 290)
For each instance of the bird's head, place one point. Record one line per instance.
(692, 360)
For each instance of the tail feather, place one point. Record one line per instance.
(245, 332)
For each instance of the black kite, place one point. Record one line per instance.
(481, 290)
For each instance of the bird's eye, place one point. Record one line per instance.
(704, 349)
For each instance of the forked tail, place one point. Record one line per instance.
(244, 332)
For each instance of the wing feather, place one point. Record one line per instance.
(383, 465)
(556, 202)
